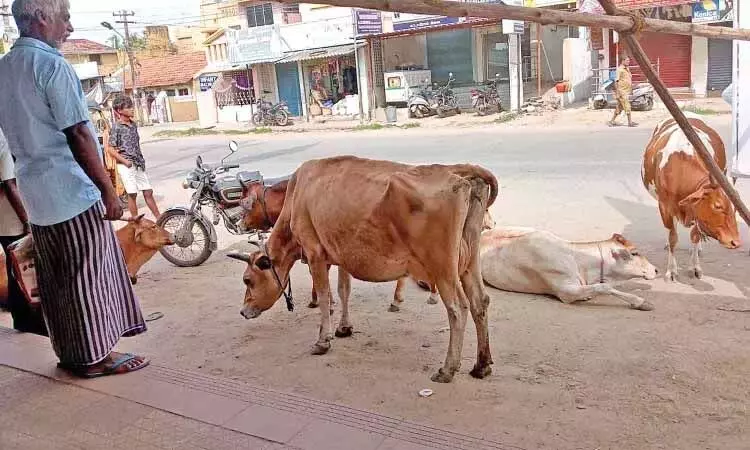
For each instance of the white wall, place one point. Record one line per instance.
(699, 66)
(552, 40)
(577, 69)
(405, 50)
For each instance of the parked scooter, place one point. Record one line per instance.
(267, 113)
(195, 235)
(439, 102)
(483, 100)
(642, 98)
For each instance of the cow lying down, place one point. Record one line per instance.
(538, 262)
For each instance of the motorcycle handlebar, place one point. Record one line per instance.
(233, 166)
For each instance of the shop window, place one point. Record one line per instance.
(260, 15)
(183, 92)
(170, 92)
(234, 89)
(96, 58)
(496, 49)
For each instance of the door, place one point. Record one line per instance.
(673, 53)
(719, 64)
(287, 76)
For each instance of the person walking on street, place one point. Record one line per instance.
(623, 89)
(14, 225)
(125, 146)
(86, 296)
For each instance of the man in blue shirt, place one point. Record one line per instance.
(86, 295)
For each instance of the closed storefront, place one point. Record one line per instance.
(719, 64)
(287, 76)
(451, 52)
(673, 53)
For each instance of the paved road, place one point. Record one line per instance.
(575, 182)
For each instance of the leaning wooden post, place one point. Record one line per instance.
(637, 52)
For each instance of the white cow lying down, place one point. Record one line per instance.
(538, 262)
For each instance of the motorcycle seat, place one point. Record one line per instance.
(246, 177)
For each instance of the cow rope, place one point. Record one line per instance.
(286, 291)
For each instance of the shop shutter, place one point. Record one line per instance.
(674, 55)
(719, 64)
(450, 51)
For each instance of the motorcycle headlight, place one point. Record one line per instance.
(185, 184)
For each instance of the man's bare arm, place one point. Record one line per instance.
(14, 198)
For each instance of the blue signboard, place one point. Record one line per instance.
(368, 22)
(427, 23)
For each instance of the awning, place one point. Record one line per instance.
(318, 53)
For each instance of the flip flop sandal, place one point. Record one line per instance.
(115, 367)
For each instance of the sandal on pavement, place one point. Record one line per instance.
(121, 364)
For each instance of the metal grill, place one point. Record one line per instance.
(377, 62)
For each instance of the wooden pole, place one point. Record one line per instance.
(539, 15)
(661, 89)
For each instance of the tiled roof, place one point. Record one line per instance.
(84, 47)
(166, 71)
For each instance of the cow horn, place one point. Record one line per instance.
(239, 257)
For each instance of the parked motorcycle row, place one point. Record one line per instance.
(440, 101)
(269, 113)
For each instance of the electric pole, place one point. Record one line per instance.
(123, 15)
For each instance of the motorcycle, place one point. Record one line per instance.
(195, 235)
(426, 103)
(642, 98)
(481, 100)
(267, 113)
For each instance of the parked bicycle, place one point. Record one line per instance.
(267, 113)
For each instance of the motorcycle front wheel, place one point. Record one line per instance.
(190, 250)
(282, 118)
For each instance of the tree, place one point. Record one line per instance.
(115, 42)
(138, 41)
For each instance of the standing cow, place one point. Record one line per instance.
(380, 221)
(678, 179)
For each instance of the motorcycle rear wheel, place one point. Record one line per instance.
(192, 255)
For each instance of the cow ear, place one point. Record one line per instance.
(240, 257)
(617, 237)
(263, 263)
(138, 218)
(694, 198)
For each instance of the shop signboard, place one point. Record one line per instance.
(427, 22)
(368, 22)
(708, 11)
(206, 82)
(254, 45)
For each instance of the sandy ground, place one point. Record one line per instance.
(585, 376)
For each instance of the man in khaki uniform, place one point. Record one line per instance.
(623, 89)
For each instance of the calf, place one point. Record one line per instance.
(538, 262)
(140, 239)
(678, 179)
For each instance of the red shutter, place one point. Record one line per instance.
(673, 53)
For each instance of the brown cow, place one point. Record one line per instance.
(263, 200)
(385, 221)
(676, 177)
(139, 240)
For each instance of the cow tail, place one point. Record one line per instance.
(467, 171)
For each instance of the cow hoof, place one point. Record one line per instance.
(442, 377)
(312, 305)
(645, 306)
(320, 348)
(481, 372)
(344, 332)
(432, 301)
(394, 308)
